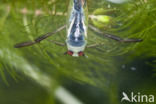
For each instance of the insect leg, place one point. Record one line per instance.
(39, 39)
(95, 45)
(57, 43)
(113, 36)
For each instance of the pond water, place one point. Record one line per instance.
(100, 77)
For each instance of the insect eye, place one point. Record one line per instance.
(81, 54)
(70, 53)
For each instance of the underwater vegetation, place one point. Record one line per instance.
(39, 74)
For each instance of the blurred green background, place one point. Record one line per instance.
(42, 74)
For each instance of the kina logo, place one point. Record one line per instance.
(125, 97)
(137, 98)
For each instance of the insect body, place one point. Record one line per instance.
(77, 31)
(76, 40)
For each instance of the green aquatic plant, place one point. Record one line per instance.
(46, 63)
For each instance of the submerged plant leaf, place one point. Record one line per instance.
(25, 20)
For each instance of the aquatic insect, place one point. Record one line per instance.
(77, 23)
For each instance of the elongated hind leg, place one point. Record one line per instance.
(113, 36)
(39, 39)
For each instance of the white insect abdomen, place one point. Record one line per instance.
(77, 21)
(77, 26)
